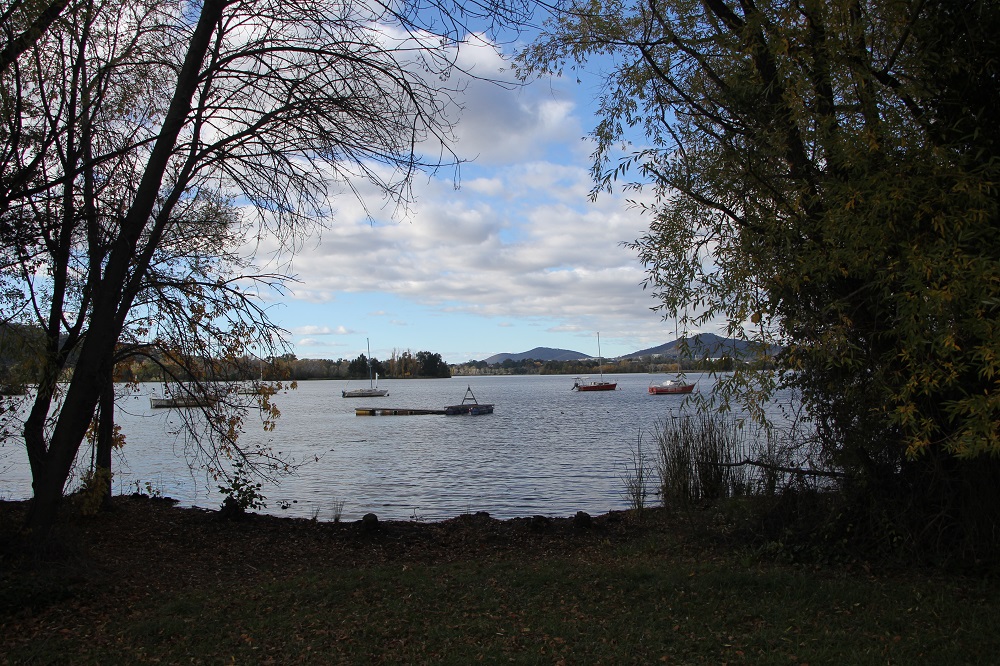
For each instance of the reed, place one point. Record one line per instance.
(701, 456)
(635, 478)
(338, 509)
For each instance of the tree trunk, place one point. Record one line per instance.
(75, 415)
(112, 300)
(105, 438)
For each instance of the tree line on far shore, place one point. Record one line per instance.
(530, 366)
(19, 365)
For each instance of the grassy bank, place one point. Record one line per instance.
(151, 583)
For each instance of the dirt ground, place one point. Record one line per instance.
(142, 544)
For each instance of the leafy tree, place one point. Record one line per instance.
(145, 144)
(358, 367)
(825, 177)
(432, 365)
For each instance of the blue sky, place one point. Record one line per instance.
(516, 257)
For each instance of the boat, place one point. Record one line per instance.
(671, 387)
(181, 401)
(373, 391)
(469, 406)
(581, 383)
(180, 394)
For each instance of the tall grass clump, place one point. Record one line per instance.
(635, 478)
(704, 456)
(338, 509)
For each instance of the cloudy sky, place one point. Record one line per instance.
(516, 257)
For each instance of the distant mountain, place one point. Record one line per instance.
(539, 354)
(702, 345)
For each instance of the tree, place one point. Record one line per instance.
(146, 144)
(432, 365)
(825, 175)
(359, 368)
(32, 19)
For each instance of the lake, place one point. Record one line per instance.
(546, 450)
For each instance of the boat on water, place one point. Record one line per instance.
(373, 391)
(180, 394)
(469, 406)
(181, 401)
(670, 387)
(583, 383)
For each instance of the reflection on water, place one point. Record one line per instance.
(545, 450)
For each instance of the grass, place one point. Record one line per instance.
(665, 590)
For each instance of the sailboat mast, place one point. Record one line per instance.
(369, 345)
(600, 359)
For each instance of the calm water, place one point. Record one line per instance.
(545, 450)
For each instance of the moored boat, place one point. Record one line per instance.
(670, 387)
(581, 385)
(600, 385)
(373, 391)
(182, 401)
(182, 394)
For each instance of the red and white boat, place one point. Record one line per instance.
(670, 387)
(580, 385)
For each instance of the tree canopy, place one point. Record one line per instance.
(826, 179)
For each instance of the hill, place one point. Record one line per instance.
(539, 354)
(702, 345)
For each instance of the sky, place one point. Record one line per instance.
(517, 256)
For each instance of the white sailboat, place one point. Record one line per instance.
(373, 391)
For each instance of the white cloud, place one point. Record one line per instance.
(520, 241)
(529, 255)
(321, 330)
(503, 121)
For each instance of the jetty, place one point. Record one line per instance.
(395, 411)
(469, 405)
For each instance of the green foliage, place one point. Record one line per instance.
(241, 493)
(147, 489)
(825, 179)
(432, 365)
(702, 457)
(358, 368)
(635, 478)
(423, 364)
